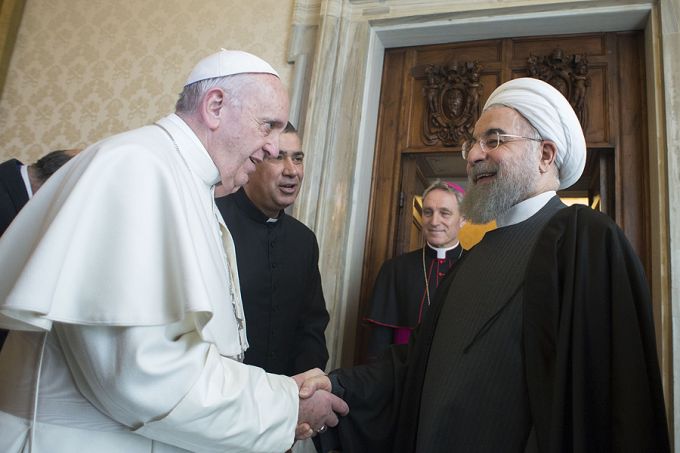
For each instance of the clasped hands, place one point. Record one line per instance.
(318, 406)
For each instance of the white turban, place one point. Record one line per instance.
(229, 62)
(552, 116)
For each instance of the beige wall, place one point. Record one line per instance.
(84, 69)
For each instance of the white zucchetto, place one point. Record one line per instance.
(229, 62)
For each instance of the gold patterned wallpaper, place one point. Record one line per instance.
(85, 69)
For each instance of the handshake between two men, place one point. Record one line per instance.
(319, 408)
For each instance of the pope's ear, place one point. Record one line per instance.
(211, 107)
(548, 155)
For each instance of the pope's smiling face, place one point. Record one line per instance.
(275, 184)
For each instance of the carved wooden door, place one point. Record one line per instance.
(409, 211)
(432, 95)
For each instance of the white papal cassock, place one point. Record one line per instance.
(119, 282)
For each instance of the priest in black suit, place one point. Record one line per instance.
(277, 258)
(541, 338)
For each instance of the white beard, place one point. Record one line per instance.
(515, 180)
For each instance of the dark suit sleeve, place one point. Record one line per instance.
(591, 363)
(384, 397)
(373, 393)
(310, 341)
(379, 340)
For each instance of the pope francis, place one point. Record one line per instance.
(120, 287)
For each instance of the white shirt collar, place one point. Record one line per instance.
(525, 209)
(441, 251)
(191, 148)
(27, 182)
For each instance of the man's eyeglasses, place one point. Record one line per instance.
(492, 142)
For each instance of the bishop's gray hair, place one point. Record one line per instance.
(446, 187)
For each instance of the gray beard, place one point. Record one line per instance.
(514, 182)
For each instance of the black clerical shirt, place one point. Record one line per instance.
(280, 286)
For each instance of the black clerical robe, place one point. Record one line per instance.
(283, 300)
(584, 337)
(13, 195)
(401, 296)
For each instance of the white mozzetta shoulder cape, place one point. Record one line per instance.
(131, 238)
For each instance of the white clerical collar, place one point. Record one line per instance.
(191, 148)
(27, 182)
(441, 251)
(525, 209)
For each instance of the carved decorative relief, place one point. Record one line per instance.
(452, 93)
(567, 73)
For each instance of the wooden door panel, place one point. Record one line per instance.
(385, 182)
(600, 58)
(487, 51)
(411, 185)
(631, 167)
(593, 45)
(597, 129)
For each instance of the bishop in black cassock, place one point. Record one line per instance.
(406, 284)
(401, 296)
(541, 338)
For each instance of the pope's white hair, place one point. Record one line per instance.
(192, 94)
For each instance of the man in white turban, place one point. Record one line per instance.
(120, 287)
(541, 336)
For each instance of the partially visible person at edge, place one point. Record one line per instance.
(18, 183)
(278, 262)
(541, 337)
(406, 284)
(121, 289)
